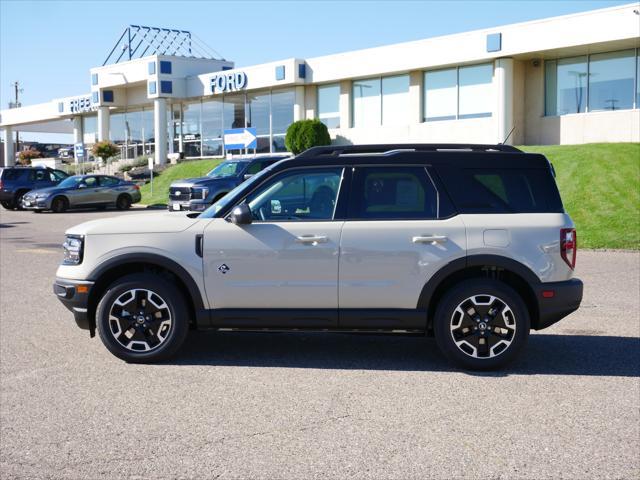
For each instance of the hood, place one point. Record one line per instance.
(47, 191)
(156, 222)
(190, 182)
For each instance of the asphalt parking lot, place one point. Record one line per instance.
(309, 405)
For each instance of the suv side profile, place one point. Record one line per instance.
(468, 243)
(16, 181)
(197, 194)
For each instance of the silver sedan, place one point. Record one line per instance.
(83, 191)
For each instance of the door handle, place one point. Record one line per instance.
(312, 239)
(432, 239)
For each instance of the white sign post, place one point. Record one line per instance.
(151, 170)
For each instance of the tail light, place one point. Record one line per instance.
(1, 185)
(568, 246)
(136, 187)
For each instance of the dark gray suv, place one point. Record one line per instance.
(198, 193)
(16, 181)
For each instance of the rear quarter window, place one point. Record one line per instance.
(492, 190)
(9, 174)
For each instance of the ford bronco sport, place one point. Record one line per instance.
(468, 243)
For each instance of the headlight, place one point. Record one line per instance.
(200, 193)
(42, 196)
(73, 248)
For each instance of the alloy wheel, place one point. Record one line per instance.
(483, 326)
(140, 320)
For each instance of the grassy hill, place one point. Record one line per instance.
(600, 188)
(599, 184)
(161, 183)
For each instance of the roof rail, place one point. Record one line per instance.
(396, 147)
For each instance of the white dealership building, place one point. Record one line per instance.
(561, 80)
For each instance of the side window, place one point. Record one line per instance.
(57, 175)
(254, 168)
(108, 181)
(393, 193)
(298, 195)
(91, 182)
(42, 176)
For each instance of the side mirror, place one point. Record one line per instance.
(241, 215)
(247, 176)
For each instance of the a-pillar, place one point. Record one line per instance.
(504, 107)
(103, 123)
(77, 135)
(9, 154)
(160, 130)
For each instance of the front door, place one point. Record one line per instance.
(392, 242)
(282, 269)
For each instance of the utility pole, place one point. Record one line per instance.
(16, 104)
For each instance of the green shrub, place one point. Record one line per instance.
(304, 134)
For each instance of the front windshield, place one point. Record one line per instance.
(227, 169)
(70, 181)
(222, 203)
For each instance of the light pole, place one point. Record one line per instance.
(16, 104)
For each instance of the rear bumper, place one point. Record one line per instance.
(6, 195)
(566, 299)
(74, 294)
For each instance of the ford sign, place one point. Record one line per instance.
(228, 82)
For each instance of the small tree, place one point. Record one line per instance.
(105, 150)
(26, 156)
(304, 134)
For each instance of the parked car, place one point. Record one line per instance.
(197, 194)
(468, 243)
(16, 181)
(83, 191)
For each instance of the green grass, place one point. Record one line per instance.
(600, 188)
(599, 184)
(161, 183)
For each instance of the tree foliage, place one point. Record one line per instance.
(26, 156)
(304, 134)
(105, 150)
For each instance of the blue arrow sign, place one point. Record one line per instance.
(239, 138)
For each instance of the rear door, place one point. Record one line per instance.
(393, 241)
(109, 189)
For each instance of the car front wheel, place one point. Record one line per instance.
(142, 318)
(481, 324)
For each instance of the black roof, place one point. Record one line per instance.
(455, 155)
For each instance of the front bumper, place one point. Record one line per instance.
(74, 294)
(556, 300)
(178, 206)
(35, 203)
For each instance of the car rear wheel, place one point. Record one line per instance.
(123, 202)
(142, 318)
(481, 324)
(59, 205)
(17, 202)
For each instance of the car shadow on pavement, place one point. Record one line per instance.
(544, 354)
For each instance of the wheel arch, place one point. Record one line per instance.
(122, 265)
(518, 276)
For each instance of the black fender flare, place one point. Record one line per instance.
(193, 290)
(460, 264)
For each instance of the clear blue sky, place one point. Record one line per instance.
(49, 46)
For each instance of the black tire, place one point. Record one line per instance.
(7, 204)
(482, 336)
(113, 333)
(123, 202)
(59, 205)
(17, 201)
(36, 211)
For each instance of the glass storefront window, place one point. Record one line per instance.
(148, 133)
(329, 105)
(258, 107)
(366, 103)
(637, 105)
(90, 128)
(134, 126)
(281, 111)
(566, 88)
(191, 129)
(118, 128)
(212, 127)
(395, 100)
(234, 112)
(611, 80)
(440, 95)
(475, 93)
